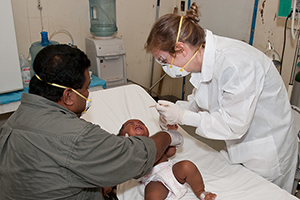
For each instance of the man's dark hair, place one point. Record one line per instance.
(60, 64)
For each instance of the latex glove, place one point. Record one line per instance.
(163, 125)
(170, 112)
(176, 138)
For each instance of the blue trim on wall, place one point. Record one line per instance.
(253, 22)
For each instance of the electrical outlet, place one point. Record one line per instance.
(182, 6)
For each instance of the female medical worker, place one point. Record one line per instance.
(238, 96)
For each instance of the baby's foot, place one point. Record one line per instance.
(207, 196)
(210, 196)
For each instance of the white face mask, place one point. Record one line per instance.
(174, 71)
(88, 102)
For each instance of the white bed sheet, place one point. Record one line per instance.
(112, 107)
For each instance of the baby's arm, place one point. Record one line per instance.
(171, 150)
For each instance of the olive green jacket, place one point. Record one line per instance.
(47, 152)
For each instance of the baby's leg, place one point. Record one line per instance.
(186, 171)
(155, 191)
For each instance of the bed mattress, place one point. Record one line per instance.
(112, 107)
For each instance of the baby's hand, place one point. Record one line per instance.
(106, 190)
(172, 127)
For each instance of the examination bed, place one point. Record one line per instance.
(112, 107)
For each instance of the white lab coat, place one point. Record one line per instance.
(240, 97)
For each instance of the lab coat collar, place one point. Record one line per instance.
(208, 62)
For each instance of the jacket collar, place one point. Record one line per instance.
(39, 101)
(208, 62)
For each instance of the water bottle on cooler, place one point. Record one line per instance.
(103, 18)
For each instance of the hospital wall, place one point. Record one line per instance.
(270, 27)
(134, 21)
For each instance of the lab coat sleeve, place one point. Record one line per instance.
(190, 104)
(238, 95)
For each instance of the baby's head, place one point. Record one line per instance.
(134, 127)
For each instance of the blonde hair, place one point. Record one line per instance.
(164, 31)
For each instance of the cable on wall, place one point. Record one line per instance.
(284, 41)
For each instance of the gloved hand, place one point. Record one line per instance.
(176, 138)
(170, 112)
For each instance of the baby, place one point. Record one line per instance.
(166, 179)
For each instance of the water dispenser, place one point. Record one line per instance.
(106, 52)
(107, 60)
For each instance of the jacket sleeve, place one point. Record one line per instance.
(102, 159)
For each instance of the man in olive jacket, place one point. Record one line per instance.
(48, 152)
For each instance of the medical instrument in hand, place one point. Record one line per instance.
(170, 112)
(159, 104)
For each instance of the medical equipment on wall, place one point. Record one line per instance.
(291, 8)
(65, 32)
(107, 58)
(38, 45)
(273, 55)
(295, 98)
(290, 86)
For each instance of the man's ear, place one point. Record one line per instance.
(68, 97)
(181, 48)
